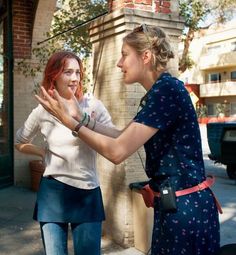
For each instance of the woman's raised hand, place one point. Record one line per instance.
(59, 107)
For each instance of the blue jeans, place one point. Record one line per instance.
(86, 238)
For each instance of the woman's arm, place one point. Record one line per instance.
(114, 149)
(30, 149)
(117, 149)
(25, 135)
(103, 129)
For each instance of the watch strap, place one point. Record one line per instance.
(77, 128)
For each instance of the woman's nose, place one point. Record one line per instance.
(119, 64)
(75, 76)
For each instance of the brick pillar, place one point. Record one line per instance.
(31, 21)
(22, 28)
(122, 100)
(156, 6)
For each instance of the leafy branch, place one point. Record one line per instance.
(76, 40)
(195, 13)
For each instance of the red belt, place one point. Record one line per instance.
(148, 194)
(201, 186)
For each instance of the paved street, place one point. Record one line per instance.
(19, 234)
(225, 191)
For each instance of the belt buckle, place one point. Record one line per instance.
(200, 186)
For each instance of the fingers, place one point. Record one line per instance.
(54, 103)
(46, 100)
(73, 97)
(56, 95)
(44, 103)
(45, 94)
(40, 100)
(50, 92)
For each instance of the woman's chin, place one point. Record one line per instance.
(66, 95)
(73, 89)
(127, 82)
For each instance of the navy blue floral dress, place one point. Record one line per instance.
(175, 153)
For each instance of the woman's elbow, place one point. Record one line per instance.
(18, 146)
(117, 157)
(116, 161)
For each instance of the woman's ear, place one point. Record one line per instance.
(147, 56)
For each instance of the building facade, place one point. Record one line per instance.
(214, 53)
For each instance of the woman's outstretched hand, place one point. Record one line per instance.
(59, 107)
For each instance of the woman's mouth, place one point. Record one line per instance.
(73, 87)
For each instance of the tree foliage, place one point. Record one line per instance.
(76, 13)
(66, 33)
(195, 13)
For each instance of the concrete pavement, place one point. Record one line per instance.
(19, 234)
(225, 191)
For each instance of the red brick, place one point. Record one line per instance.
(22, 27)
(165, 10)
(147, 2)
(132, 6)
(146, 5)
(166, 4)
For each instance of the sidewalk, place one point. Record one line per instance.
(20, 235)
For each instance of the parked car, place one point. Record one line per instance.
(221, 138)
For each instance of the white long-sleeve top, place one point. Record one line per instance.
(68, 159)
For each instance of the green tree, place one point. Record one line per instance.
(66, 33)
(74, 14)
(195, 13)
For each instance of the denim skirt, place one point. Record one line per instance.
(59, 202)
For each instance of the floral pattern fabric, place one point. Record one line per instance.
(175, 153)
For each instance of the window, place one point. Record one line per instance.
(233, 108)
(213, 49)
(211, 109)
(233, 46)
(233, 75)
(214, 77)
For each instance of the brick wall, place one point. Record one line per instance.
(30, 23)
(23, 17)
(158, 6)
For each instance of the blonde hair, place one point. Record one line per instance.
(153, 38)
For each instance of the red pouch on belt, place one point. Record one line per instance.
(148, 195)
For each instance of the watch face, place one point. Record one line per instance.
(75, 133)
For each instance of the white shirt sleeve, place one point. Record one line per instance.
(31, 127)
(103, 116)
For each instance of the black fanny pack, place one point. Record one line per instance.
(167, 197)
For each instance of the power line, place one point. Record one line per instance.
(72, 28)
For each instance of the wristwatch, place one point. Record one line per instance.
(75, 132)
